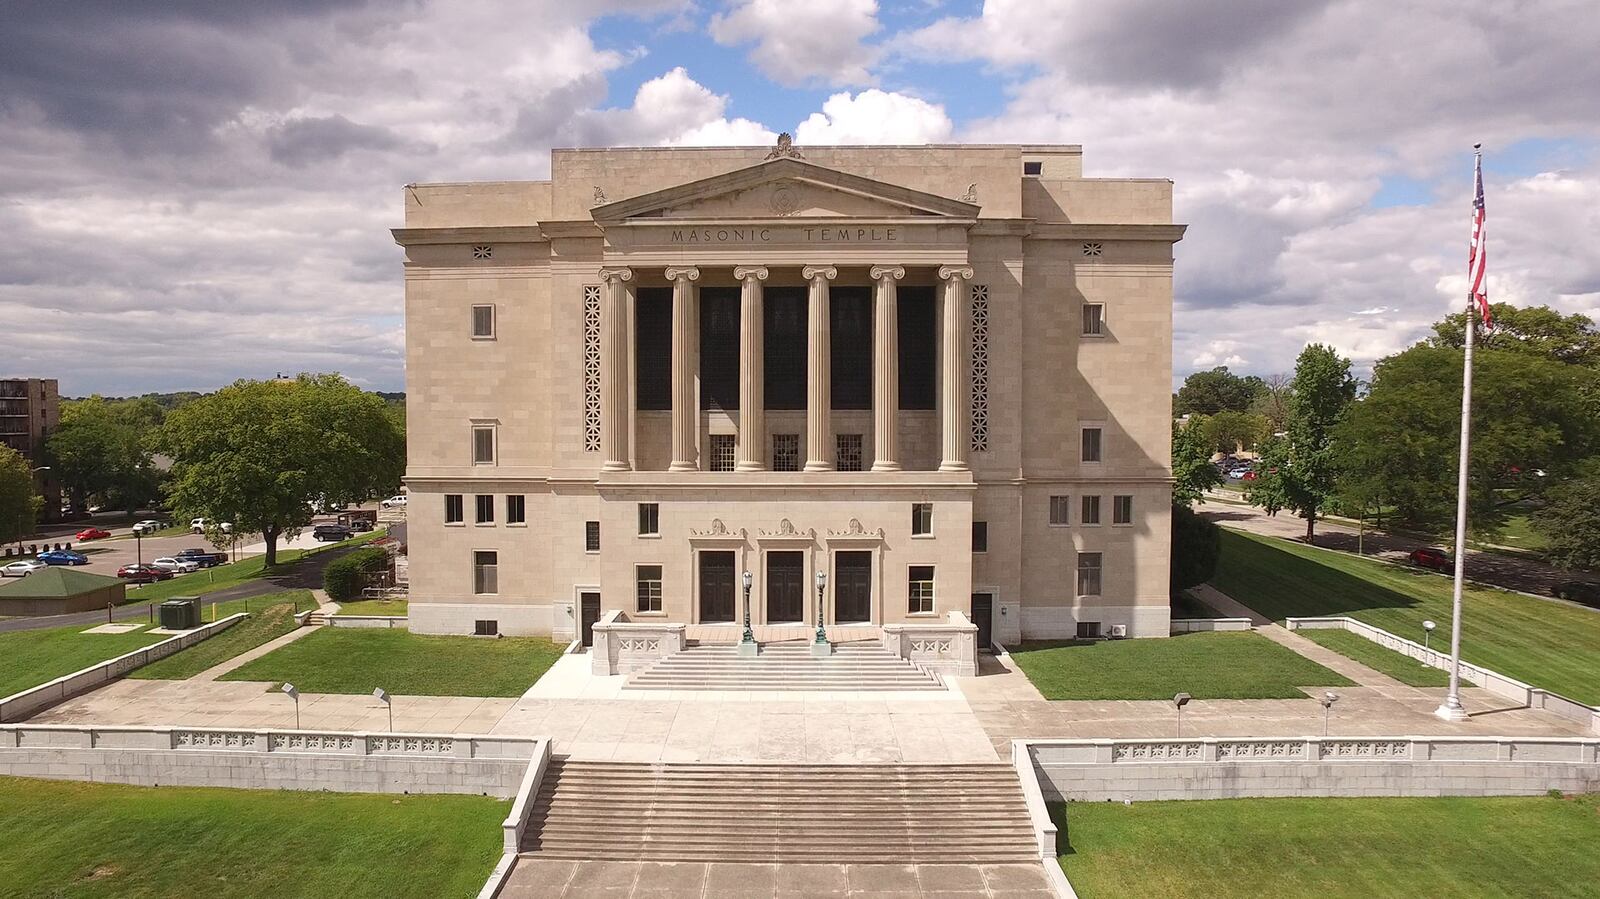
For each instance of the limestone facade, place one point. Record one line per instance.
(665, 367)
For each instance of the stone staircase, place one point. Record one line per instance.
(784, 666)
(837, 814)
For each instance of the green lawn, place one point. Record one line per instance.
(1546, 644)
(89, 841)
(1234, 665)
(1402, 668)
(1225, 848)
(207, 580)
(31, 658)
(358, 660)
(272, 616)
(374, 607)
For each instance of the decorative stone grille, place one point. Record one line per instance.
(1093, 248)
(627, 644)
(482, 252)
(938, 646)
(1366, 749)
(212, 739)
(849, 452)
(980, 368)
(591, 369)
(411, 745)
(1155, 752)
(1259, 750)
(312, 742)
(785, 452)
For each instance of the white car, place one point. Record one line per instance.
(394, 502)
(179, 566)
(201, 525)
(147, 527)
(23, 568)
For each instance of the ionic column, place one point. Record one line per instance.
(955, 405)
(886, 367)
(614, 370)
(752, 381)
(819, 375)
(685, 366)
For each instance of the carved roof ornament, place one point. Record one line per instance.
(787, 530)
(856, 529)
(971, 196)
(717, 529)
(599, 197)
(784, 148)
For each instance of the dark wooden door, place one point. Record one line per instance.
(786, 587)
(852, 587)
(983, 617)
(589, 612)
(716, 586)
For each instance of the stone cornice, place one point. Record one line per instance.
(1091, 231)
(414, 237)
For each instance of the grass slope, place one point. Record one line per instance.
(358, 660)
(107, 840)
(1546, 644)
(271, 618)
(1233, 665)
(1224, 848)
(374, 607)
(1404, 669)
(31, 658)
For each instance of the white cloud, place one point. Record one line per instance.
(816, 41)
(875, 117)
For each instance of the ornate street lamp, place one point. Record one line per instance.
(747, 645)
(821, 647)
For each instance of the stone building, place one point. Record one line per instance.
(938, 376)
(30, 411)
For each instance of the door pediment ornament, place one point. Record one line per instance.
(787, 532)
(854, 531)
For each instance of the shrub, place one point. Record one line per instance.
(1196, 546)
(345, 576)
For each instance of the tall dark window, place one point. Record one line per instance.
(652, 319)
(719, 347)
(784, 326)
(918, 357)
(850, 314)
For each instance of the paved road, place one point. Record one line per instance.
(1511, 572)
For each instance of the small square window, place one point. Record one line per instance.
(485, 572)
(1094, 319)
(849, 451)
(516, 509)
(486, 627)
(649, 519)
(921, 590)
(980, 536)
(454, 509)
(483, 444)
(1088, 630)
(722, 452)
(591, 536)
(483, 322)
(921, 519)
(1060, 510)
(1091, 510)
(1091, 444)
(1033, 168)
(483, 507)
(1122, 510)
(785, 452)
(648, 583)
(1088, 574)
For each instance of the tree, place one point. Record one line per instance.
(1229, 431)
(1533, 330)
(1269, 488)
(1272, 403)
(1217, 390)
(1321, 390)
(1196, 547)
(1192, 471)
(19, 500)
(101, 451)
(257, 453)
(1570, 523)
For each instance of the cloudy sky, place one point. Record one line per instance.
(194, 191)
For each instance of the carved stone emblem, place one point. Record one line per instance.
(971, 196)
(784, 148)
(599, 197)
(785, 199)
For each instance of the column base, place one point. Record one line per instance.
(683, 466)
(953, 465)
(1450, 712)
(616, 466)
(816, 465)
(886, 466)
(749, 466)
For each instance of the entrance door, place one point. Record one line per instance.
(983, 617)
(852, 590)
(589, 613)
(716, 586)
(786, 587)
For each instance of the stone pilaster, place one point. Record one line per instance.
(752, 374)
(614, 412)
(685, 367)
(886, 367)
(954, 403)
(819, 374)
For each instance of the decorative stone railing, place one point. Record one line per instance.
(622, 646)
(253, 740)
(1493, 681)
(948, 647)
(1576, 750)
(1196, 625)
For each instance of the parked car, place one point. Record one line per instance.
(360, 525)
(62, 557)
(1578, 591)
(1435, 559)
(331, 533)
(201, 557)
(22, 568)
(92, 534)
(397, 501)
(1238, 473)
(201, 525)
(147, 527)
(176, 565)
(143, 574)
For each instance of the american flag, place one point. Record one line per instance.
(1476, 256)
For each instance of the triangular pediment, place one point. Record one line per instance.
(784, 188)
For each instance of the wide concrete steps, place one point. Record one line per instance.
(784, 666)
(859, 814)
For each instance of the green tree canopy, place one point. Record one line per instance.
(1533, 330)
(101, 451)
(257, 453)
(1230, 431)
(1269, 490)
(19, 500)
(1192, 471)
(1217, 390)
(1321, 390)
(1570, 523)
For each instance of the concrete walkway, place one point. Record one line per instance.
(248, 656)
(1327, 658)
(548, 879)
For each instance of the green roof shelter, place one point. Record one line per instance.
(58, 590)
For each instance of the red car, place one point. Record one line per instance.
(1436, 559)
(92, 534)
(143, 574)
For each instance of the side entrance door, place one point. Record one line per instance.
(716, 586)
(852, 591)
(589, 612)
(983, 617)
(786, 589)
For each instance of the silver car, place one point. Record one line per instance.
(22, 568)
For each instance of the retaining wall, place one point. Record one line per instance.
(391, 621)
(1194, 625)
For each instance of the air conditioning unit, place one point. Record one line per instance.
(1119, 630)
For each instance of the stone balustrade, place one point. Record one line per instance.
(263, 740)
(948, 647)
(1197, 625)
(623, 647)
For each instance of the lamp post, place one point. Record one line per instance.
(1328, 699)
(1178, 702)
(821, 647)
(382, 696)
(295, 695)
(1427, 631)
(747, 644)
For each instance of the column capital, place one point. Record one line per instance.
(946, 272)
(746, 272)
(618, 273)
(681, 272)
(813, 272)
(880, 272)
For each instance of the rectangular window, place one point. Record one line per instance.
(722, 452)
(652, 357)
(485, 572)
(1094, 319)
(1088, 630)
(649, 519)
(483, 444)
(1091, 444)
(1060, 507)
(485, 627)
(785, 452)
(648, 586)
(850, 318)
(483, 507)
(784, 336)
(980, 536)
(1033, 168)
(921, 519)
(1088, 574)
(849, 451)
(921, 589)
(516, 509)
(454, 509)
(591, 536)
(1091, 510)
(719, 348)
(483, 322)
(1122, 510)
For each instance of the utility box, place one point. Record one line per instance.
(181, 613)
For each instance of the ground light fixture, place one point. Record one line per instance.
(747, 643)
(1327, 700)
(1178, 702)
(382, 696)
(821, 647)
(1427, 631)
(295, 695)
